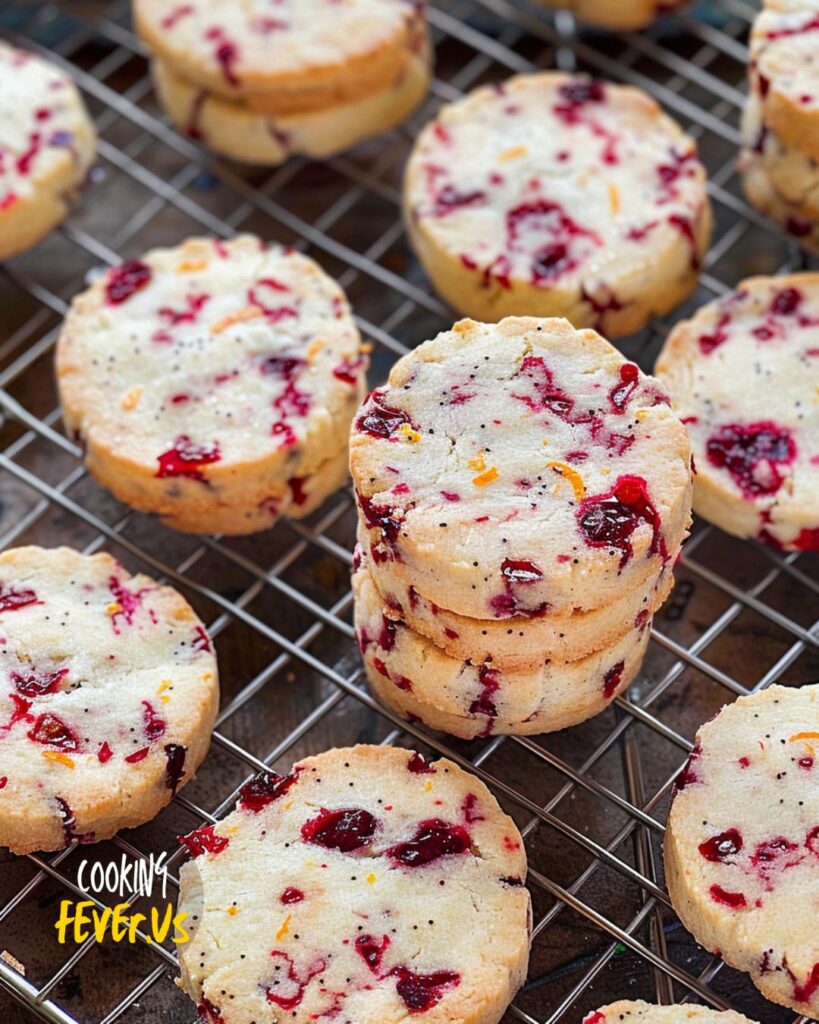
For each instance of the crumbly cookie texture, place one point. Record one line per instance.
(521, 469)
(742, 845)
(553, 195)
(213, 383)
(784, 73)
(240, 133)
(628, 1012)
(108, 694)
(47, 145)
(353, 889)
(617, 16)
(302, 55)
(742, 375)
(522, 642)
(469, 698)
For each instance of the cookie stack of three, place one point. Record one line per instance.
(310, 77)
(780, 157)
(523, 492)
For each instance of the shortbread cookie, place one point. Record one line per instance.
(617, 16)
(240, 133)
(354, 889)
(108, 695)
(469, 698)
(743, 376)
(47, 146)
(742, 845)
(294, 55)
(519, 469)
(784, 72)
(213, 383)
(552, 195)
(628, 1012)
(762, 193)
(516, 643)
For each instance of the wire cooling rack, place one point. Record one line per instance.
(591, 802)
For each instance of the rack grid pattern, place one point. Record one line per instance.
(590, 802)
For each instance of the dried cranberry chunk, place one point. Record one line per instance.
(125, 281)
(720, 847)
(753, 454)
(264, 789)
(433, 839)
(609, 520)
(421, 992)
(348, 829)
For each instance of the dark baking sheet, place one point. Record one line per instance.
(592, 800)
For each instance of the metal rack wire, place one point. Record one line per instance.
(590, 802)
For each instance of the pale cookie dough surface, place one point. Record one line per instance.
(551, 195)
(295, 55)
(516, 643)
(108, 694)
(213, 383)
(243, 134)
(742, 845)
(743, 376)
(785, 72)
(47, 145)
(521, 468)
(467, 698)
(354, 889)
(628, 1012)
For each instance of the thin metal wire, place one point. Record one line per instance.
(493, 37)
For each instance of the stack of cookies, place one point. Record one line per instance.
(781, 121)
(258, 83)
(523, 492)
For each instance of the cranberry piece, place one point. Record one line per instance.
(264, 789)
(520, 572)
(490, 681)
(349, 370)
(734, 900)
(34, 684)
(786, 302)
(69, 824)
(381, 420)
(201, 640)
(285, 367)
(347, 830)
(288, 996)
(544, 218)
(105, 753)
(621, 393)
(51, 731)
(382, 518)
(419, 765)
(3, 781)
(450, 199)
(175, 755)
(204, 840)
(804, 993)
(125, 281)
(11, 599)
(688, 775)
(137, 756)
(808, 539)
(719, 848)
(291, 895)
(209, 1013)
(127, 600)
(612, 679)
(753, 455)
(154, 725)
(185, 459)
(580, 92)
(421, 992)
(386, 638)
(609, 520)
(298, 490)
(432, 840)
(372, 951)
(671, 173)
(713, 339)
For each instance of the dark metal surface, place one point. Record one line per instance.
(592, 801)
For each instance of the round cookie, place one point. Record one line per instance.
(618, 17)
(47, 145)
(304, 55)
(516, 643)
(742, 844)
(514, 469)
(213, 383)
(469, 698)
(628, 1012)
(108, 695)
(551, 195)
(742, 375)
(354, 889)
(784, 72)
(240, 133)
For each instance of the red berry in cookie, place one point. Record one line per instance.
(355, 893)
(553, 195)
(107, 697)
(627, 1012)
(741, 852)
(204, 383)
(743, 375)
